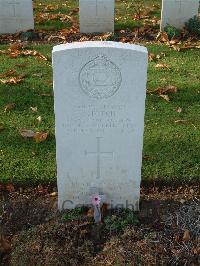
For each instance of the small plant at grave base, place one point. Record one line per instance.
(193, 25)
(118, 222)
(73, 215)
(172, 32)
(28, 36)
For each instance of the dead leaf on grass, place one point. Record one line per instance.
(16, 46)
(3, 52)
(179, 110)
(2, 127)
(39, 119)
(40, 137)
(13, 80)
(162, 66)
(46, 94)
(9, 107)
(16, 50)
(27, 133)
(21, 65)
(152, 57)
(147, 157)
(162, 36)
(8, 73)
(33, 109)
(164, 90)
(181, 121)
(158, 56)
(53, 194)
(165, 97)
(38, 75)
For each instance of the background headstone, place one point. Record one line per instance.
(16, 15)
(99, 90)
(96, 16)
(177, 12)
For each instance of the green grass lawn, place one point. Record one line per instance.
(124, 13)
(171, 150)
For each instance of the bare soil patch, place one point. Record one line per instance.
(33, 232)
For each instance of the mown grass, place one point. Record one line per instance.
(124, 13)
(171, 150)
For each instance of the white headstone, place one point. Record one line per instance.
(96, 16)
(177, 12)
(16, 15)
(99, 90)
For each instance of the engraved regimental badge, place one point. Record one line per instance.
(100, 78)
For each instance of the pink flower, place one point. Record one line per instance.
(96, 199)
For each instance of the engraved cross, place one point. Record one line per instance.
(96, 8)
(180, 2)
(99, 153)
(14, 6)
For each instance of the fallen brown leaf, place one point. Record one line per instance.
(104, 209)
(186, 236)
(162, 66)
(40, 189)
(165, 97)
(33, 109)
(179, 110)
(9, 187)
(196, 251)
(8, 73)
(21, 65)
(38, 75)
(163, 37)
(158, 56)
(9, 107)
(177, 237)
(27, 133)
(40, 137)
(181, 121)
(162, 91)
(16, 46)
(176, 48)
(5, 246)
(147, 157)
(39, 119)
(152, 57)
(13, 80)
(3, 51)
(53, 194)
(90, 213)
(1, 127)
(46, 94)
(33, 53)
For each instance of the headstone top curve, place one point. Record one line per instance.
(99, 44)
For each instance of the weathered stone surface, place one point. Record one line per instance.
(16, 15)
(96, 16)
(99, 90)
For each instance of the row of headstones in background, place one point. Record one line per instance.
(95, 15)
(16, 15)
(99, 90)
(177, 12)
(98, 15)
